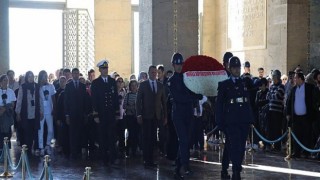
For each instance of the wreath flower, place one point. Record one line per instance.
(201, 74)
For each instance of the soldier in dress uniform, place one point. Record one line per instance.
(105, 105)
(234, 114)
(183, 101)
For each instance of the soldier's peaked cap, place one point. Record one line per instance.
(103, 63)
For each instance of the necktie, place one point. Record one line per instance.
(105, 80)
(237, 80)
(153, 88)
(76, 84)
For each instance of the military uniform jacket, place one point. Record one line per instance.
(104, 96)
(179, 92)
(233, 104)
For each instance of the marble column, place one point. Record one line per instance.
(4, 36)
(314, 56)
(156, 31)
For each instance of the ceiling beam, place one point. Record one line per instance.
(37, 4)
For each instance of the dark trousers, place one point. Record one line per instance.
(197, 136)
(163, 137)
(225, 156)
(275, 127)
(237, 136)
(133, 128)
(90, 133)
(107, 139)
(182, 118)
(63, 138)
(76, 137)
(172, 146)
(120, 134)
(302, 128)
(29, 132)
(2, 136)
(149, 137)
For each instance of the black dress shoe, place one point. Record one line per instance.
(177, 175)
(236, 175)
(187, 170)
(225, 175)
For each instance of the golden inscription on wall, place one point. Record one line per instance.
(246, 25)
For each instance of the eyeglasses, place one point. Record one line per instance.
(104, 67)
(120, 81)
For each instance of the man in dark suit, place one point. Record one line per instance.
(76, 111)
(300, 112)
(151, 107)
(105, 104)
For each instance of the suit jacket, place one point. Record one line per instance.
(151, 105)
(75, 101)
(105, 98)
(309, 91)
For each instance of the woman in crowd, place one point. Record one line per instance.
(132, 126)
(7, 101)
(63, 127)
(119, 115)
(47, 91)
(29, 110)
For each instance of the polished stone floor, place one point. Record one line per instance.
(257, 165)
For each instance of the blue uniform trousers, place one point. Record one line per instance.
(237, 135)
(182, 118)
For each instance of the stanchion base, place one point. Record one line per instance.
(6, 175)
(287, 158)
(251, 150)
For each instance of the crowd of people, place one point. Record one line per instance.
(118, 119)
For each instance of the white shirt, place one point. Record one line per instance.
(11, 97)
(105, 79)
(300, 107)
(47, 100)
(155, 85)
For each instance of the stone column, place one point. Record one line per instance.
(113, 34)
(314, 56)
(156, 31)
(4, 36)
(297, 34)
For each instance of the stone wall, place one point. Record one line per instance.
(4, 36)
(156, 31)
(271, 56)
(314, 61)
(297, 53)
(113, 34)
(146, 33)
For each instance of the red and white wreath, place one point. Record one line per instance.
(201, 74)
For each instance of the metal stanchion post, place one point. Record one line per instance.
(289, 145)
(251, 148)
(5, 174)
(46, 167)
(23, 154)
(88, 173)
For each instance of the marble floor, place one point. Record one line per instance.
(257, 165)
